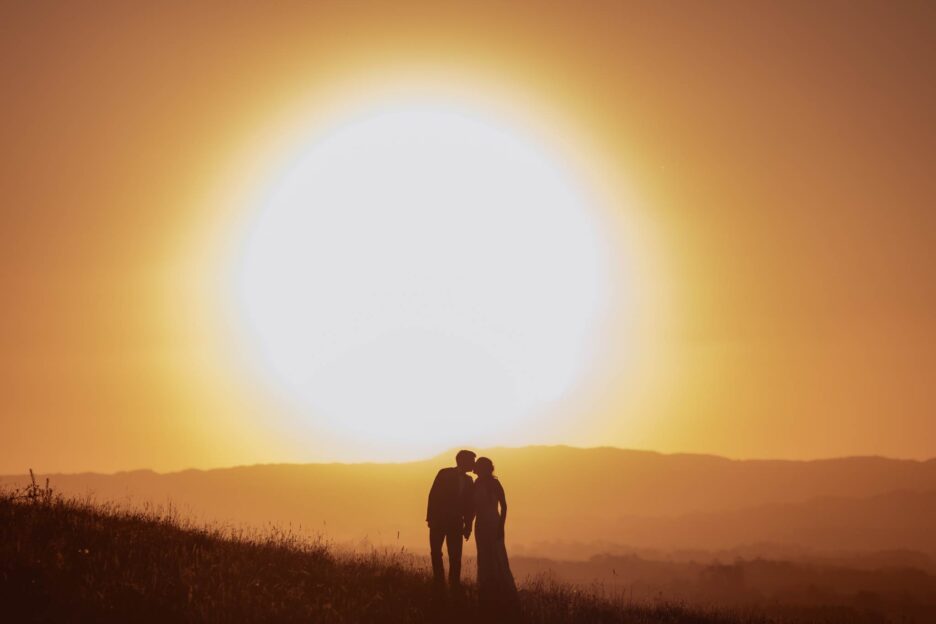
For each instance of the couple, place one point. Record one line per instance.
(454, 502)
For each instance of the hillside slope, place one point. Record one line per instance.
(62, 561)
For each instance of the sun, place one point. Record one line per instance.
(421, 276)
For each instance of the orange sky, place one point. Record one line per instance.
(781, 154)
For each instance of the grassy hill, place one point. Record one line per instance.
(64, 560)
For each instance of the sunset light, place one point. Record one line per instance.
(421, 275)
(299, 297)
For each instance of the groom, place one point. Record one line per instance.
(449, 516)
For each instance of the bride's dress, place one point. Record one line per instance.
(495, 581)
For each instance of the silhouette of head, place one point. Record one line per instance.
(484, 467)
(465, 460)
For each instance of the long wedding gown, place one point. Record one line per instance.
(496, 588)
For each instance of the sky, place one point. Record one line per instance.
(767, 191)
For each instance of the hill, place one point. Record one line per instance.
(67, 561)
(598, 499)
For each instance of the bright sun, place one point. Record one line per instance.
(421, 277)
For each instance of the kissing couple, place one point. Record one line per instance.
(455, 503)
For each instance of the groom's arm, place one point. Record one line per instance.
(468, 508)
(433, 496)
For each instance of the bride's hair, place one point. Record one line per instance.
(484, 463)
(488, 482)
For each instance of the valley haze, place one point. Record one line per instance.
(570, 503)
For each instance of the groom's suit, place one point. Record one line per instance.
(450, 514)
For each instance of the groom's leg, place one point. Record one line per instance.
(453, 540)
(436, 536)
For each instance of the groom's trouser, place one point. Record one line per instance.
(452, 537)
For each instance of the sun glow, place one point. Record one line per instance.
(420, 276)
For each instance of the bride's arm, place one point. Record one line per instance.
(502, 498)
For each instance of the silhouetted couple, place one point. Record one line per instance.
(455, 503)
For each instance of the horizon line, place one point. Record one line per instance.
(444, 456)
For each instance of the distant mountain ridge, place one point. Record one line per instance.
(638, 498)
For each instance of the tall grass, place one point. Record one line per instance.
(75, 561)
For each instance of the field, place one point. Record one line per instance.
(70, 560)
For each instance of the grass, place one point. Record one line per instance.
(70, 560)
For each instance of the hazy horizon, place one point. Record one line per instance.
(580, 502)
(446, 457)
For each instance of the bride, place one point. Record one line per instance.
(497, 591)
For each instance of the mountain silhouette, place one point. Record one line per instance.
(639, 499)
